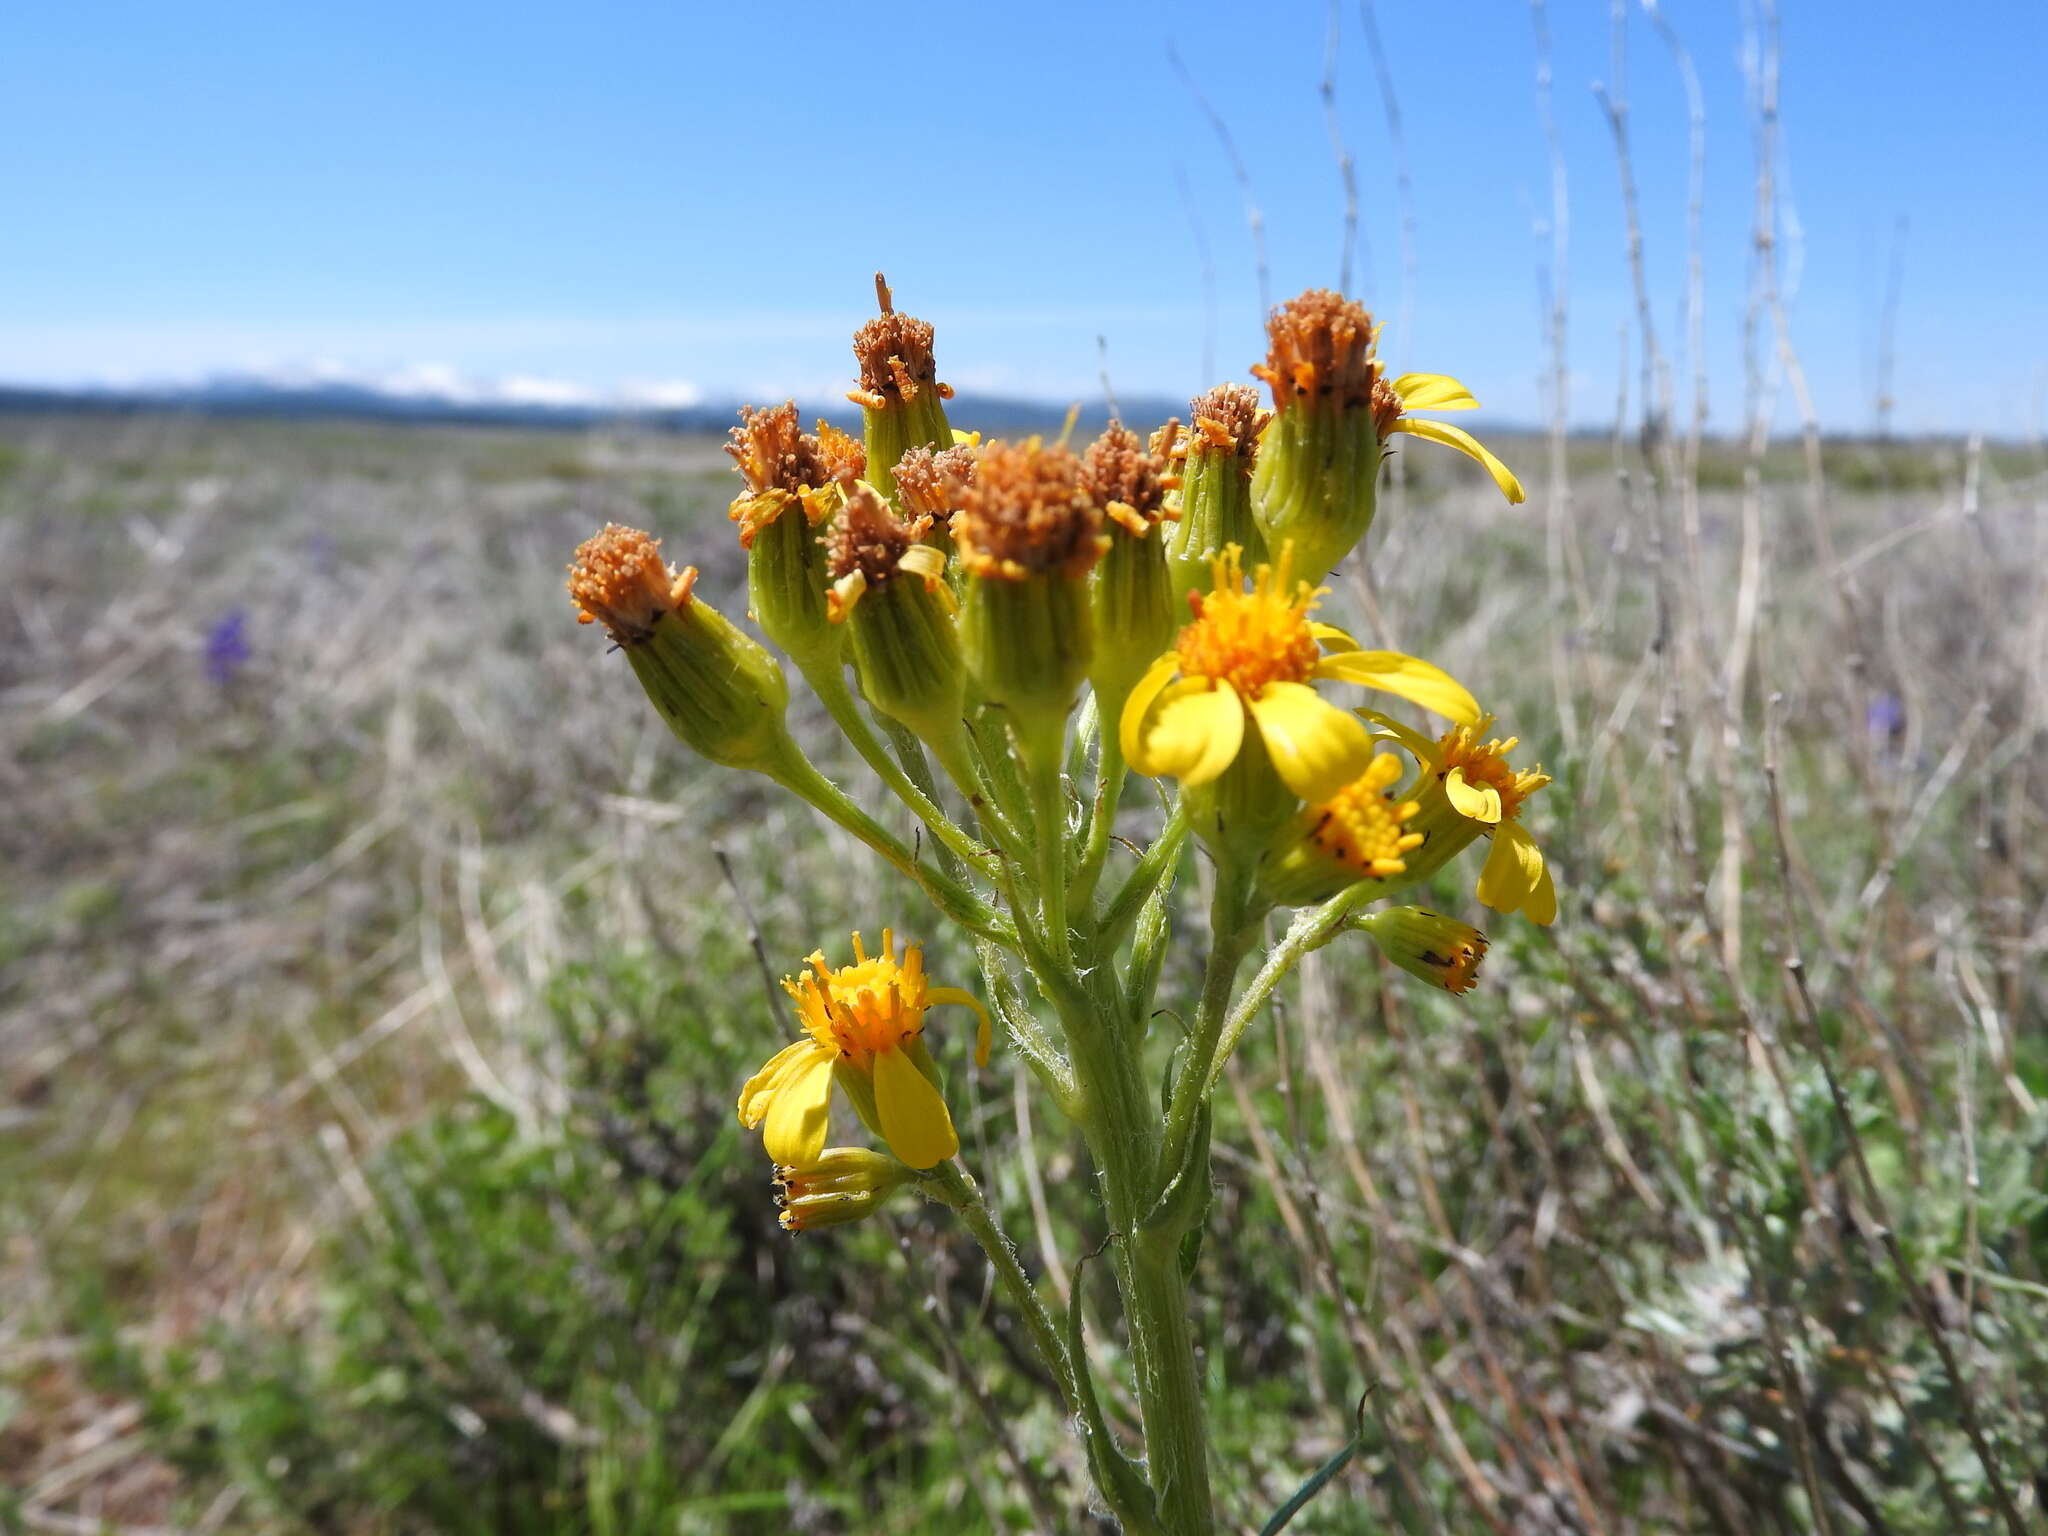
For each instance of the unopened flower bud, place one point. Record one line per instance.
(1441, 950)
(845, 1184)
(1215, 457)
(721, 693)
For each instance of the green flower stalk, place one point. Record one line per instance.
(1215, 497)
(721, 693)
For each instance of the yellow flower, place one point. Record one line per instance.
(1439, 392)
(1476, 791)
(1359, 833)
(862, 1023)
(1253, 654)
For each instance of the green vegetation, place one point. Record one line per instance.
(373, 1000)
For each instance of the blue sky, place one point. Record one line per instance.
(658, 200)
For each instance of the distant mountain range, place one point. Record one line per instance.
(528, 403)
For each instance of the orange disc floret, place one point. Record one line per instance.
(1320, 351)
(1486, 766)
(618, 579)
(873, 1005)
(1457, 965)
(1250, 639)
(895, 356)
(1025, 511)
(1363, 828)
(1127, 480)
(845, 456)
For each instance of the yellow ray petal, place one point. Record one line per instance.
(1541, 907)
(1410, 677)
(1156, 677)
(1458, 438)
(982, 1035)
(1478, 802)
(1191, 733)
(1425, 751)
(913, 1116)
(1316, 747)
(1433, 392)
(760, 1089)
(1333, 638)
(800, 1111)
(1514, 868)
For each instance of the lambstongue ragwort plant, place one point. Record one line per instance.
(1038, 624)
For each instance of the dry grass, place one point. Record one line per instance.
(1611, 1251)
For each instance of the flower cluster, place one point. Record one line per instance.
(1003, 632)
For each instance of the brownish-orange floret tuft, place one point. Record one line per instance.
(867, 536)
(1128, 480)
(933, 484)
(618, 579)
(1226, 420)
(1321, 352)
(1026, 511)
(895, 356)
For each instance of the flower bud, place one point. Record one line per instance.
(890, 593)
(901, 399)
(1215, 500)
(721, 693)
(1360, 833)
(1441, 950)
(1136, 613)
(845, 1184)
(1319, 461)
(1028, 535)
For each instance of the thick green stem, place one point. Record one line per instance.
(1119, 1121)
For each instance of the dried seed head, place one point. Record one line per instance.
(618, 579)
(1321, 352)
(895, 356)
(1026, 511)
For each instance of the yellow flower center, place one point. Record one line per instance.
(873, 1005)
(1459, 965)
(1250, 639)
(1362, 827)
(1487, 766)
